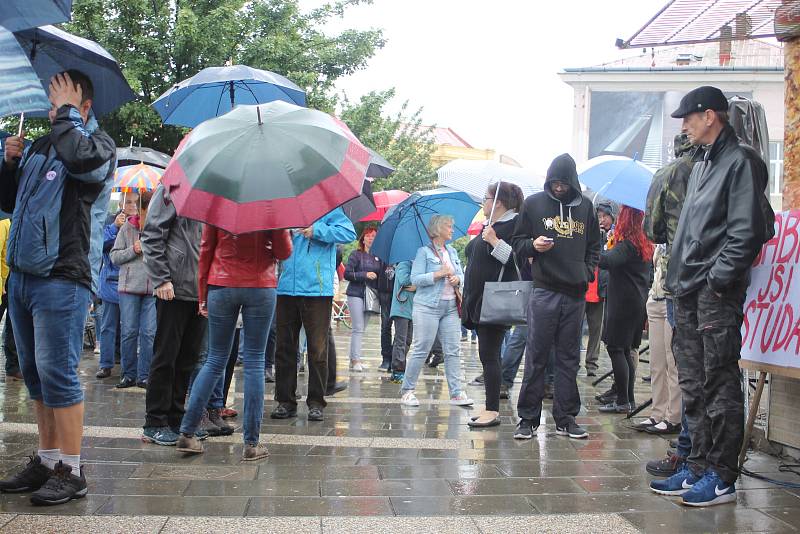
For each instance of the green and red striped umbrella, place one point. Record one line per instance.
(139, 177)
(264, 167)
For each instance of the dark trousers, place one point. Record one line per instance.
(269, 356)
(9, 345)
(179, 333)
(231, 367)
(554, 319)
(624, 372)
(684, 439)
(403, 333)
(490, 341)
(707, 348)
(331, 348)
(594, 321)
(386, 327)
(313, 314)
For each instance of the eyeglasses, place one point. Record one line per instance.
(488, 199)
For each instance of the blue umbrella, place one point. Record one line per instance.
(19, 15)
(20, 90)
(404, 228)
(216, 90)
(52, 51)
(618, 178)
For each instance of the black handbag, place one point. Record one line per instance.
(506, 303)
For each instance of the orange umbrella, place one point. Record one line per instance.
(138, 177)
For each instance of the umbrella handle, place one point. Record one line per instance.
(21, 123)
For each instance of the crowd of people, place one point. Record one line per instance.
(185, 301)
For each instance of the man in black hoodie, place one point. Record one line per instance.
(558, 229)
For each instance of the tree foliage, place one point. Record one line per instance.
(400, 138)
(160, 43)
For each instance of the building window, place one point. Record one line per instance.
(776, 168)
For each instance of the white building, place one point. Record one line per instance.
(623, 107)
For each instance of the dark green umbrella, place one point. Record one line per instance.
(274, 165)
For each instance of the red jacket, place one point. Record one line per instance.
(246, 260)
(591, 294)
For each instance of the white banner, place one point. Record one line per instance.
(771, 328)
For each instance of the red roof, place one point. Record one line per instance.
(446, 136)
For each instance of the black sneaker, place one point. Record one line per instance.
(269, 376)
(283, 412)
(667, 466)
(505, 392)
(61, 487)
(477, 381)
(525, 429)
(573, 430)
(315, 414)
(126, 383)
(31, 478)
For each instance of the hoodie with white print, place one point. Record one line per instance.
(572, 223)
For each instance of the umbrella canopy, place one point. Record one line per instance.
(19, 15)
(404, 229)
(52, 51)
(618, 178)
(132, 155)
(263, 167)
(362, 205)
(378, 166)
(475, 228)
(20, 90)
(216, 90)
(383, 201)
(138, 177)
(474, 176)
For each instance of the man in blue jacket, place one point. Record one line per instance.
(305, 298)
(58, 189)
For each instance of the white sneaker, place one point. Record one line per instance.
(97, 349)
(355, 365)
(461, 400)
(409, 399)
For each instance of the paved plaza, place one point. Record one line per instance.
(373, 466)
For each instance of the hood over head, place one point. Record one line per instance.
(563, 169)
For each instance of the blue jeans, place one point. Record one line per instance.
(138, 325)
(428, 321)
(257, 306)
(109, 330)
(48, 316)
(217, 399)
(511, 358)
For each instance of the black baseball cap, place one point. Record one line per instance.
(701, 99)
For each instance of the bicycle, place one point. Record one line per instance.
(341, 313)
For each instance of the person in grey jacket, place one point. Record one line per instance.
(137, 305)
(171, 248)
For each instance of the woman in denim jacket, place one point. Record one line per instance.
(437, 275)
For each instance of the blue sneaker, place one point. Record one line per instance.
(677, 484)
(709, 490)
(160, 436)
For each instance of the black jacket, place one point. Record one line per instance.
(482, 267)
(628, 283)
(569, 266)
(725, 220)
(358, 265)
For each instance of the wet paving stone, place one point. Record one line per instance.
(373, 465)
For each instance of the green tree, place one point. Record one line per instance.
(160, 43)
(400, 138)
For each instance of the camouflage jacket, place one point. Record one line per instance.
(665, 201)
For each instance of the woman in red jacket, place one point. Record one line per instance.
(235, 272)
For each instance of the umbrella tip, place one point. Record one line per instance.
(258, 110)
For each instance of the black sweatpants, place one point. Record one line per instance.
(176, 350)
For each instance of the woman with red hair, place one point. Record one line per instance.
(362, 272)
(629, 271)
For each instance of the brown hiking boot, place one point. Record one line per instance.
(252, 453)
(189, 444)
(216, 419)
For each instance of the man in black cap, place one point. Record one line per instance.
(725, 220)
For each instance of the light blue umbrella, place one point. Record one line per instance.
(16, 15)
(20, 90)
(52, 51)
(216, 90)
(618, 178)
(404, 228)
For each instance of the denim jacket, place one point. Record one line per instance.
(425, 265)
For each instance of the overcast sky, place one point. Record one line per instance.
(488, 68)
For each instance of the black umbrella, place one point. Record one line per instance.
(378, 166)
(362, 205)
(137, 154)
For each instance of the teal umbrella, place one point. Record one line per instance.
(274, 165)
